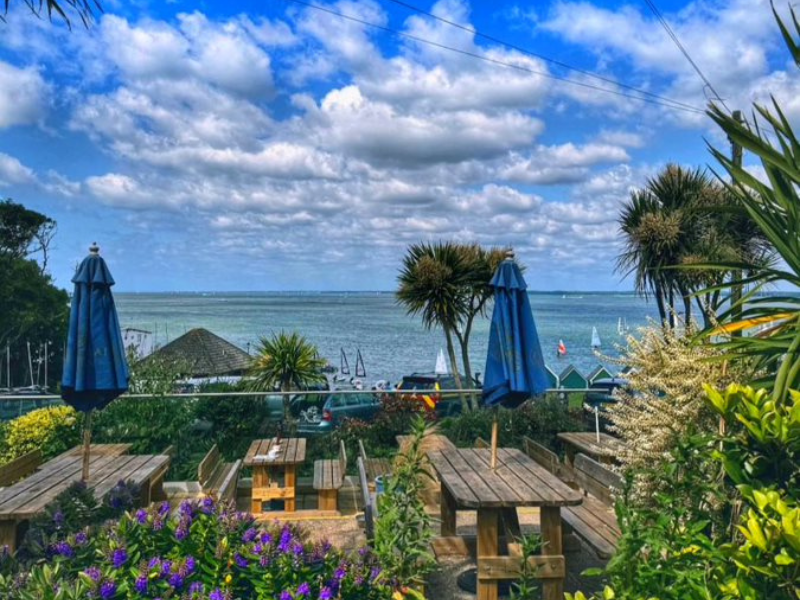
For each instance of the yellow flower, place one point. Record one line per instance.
(228, 579)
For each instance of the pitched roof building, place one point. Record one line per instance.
(201, 353)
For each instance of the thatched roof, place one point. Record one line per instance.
(204, 354)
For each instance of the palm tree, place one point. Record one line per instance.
(676, 226)
(287, 362)
(431, 284)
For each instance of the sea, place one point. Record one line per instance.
(391, 342)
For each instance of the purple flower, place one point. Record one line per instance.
(303, 590)
(141, 516)
(207, 506)
(166, 567)
(154, 564)
(176, 580)
(119, 557)
(58, 519)
(266, 538)
(181, 533)
(195, 588)
(64, 549)
(340, 573)
(141, 584)
(216, 595)
(81, 539)
(186, 508)
(376, 571)
(163, 510)
(191, 564)
(107, 590)
(249, 535)
(326, 593)
(297, 549)
(240, 560)
(285, 595)
(94, 574)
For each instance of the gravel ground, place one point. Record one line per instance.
(345, 533)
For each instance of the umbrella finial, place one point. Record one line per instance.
(510, 254)
(94, 248)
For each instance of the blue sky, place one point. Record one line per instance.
(272, 146)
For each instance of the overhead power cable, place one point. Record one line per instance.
(671, 104)
(673, 36)
(479, 34)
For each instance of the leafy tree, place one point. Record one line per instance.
(286, 361)
(448, 285)
(677, 223)
(432, 283)
(24, 232)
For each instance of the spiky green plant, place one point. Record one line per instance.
(84, 8)
(286, 361)
(774, 206)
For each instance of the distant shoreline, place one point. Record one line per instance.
(567, 293)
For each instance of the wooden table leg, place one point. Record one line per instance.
(8, 534)
(290, 504)
(260, 480)
(448, 513)
(552, 589)
(488, 545)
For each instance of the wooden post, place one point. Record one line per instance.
(290, 504)
(448, 513)
(552, 589)
(487, 548)
(260, 481)
(87, 440)
(494, 440)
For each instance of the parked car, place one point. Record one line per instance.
(427, 386)
(337, 407)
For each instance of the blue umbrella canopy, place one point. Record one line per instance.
(515, 368)
(95, 369)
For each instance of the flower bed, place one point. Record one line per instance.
(200, 551)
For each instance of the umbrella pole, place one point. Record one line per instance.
(87, 438)
(597, 423)
(494, 439)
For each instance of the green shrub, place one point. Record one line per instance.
(235, 421)
(52, 430)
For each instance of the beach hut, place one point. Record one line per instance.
(627, 370)
(552, 378)
(200, 353)
(571, 379)
(599, 372)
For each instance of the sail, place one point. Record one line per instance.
(361, 370)
(441, 364)
(344, 368)
(595, 338)
(562, 349)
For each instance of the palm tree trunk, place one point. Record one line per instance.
(671, 307)
(662, 313)
(451, 351)
(687, 308)
(463, 340)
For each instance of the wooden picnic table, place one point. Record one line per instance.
(29, 497)
(274, 476)
(101, 449)
(432, 440)
(606, 451)
(468, 482)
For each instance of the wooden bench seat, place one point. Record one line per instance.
(594, 521)
(20, 467)
(328, 478)
(370, 501)
(218, 479)
(373, 467)
(544, 456)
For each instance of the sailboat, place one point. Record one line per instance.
(441, 364)
(622, 326)
(562, 349)
(361, 370)
(344, 367)
(595, 338)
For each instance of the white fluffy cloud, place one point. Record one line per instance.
(23, 95)
(13, 172)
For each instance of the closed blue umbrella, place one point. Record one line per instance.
(515, 368)
(95, 369)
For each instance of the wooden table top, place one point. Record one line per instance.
(102, 449)
(517, 481)
(432, 440)
(586, 441)
(292, 452)
(29, 497)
